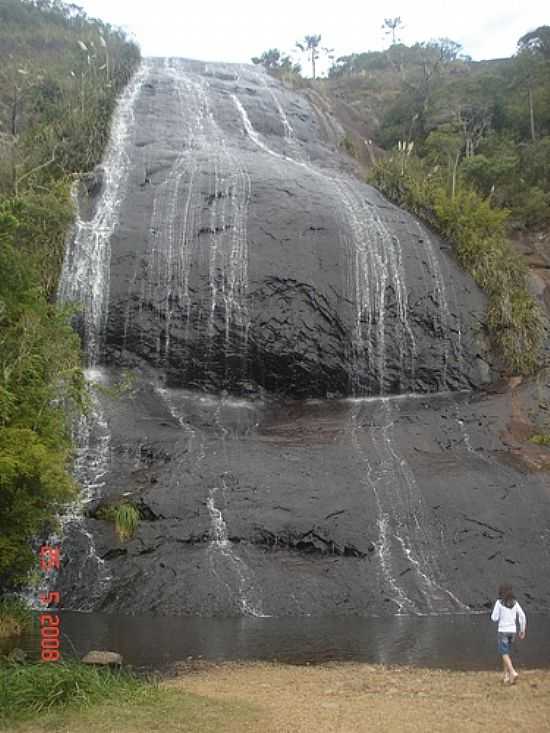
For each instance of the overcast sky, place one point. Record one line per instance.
(235, 30)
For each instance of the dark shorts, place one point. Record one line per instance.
(504, 643)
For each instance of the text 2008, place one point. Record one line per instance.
(49, 622)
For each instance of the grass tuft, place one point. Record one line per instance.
(29, 690)
(125, 517)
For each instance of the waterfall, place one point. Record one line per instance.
(91, 441)
(85, 275)
(202, 150)
(376, 260)
(85, 281)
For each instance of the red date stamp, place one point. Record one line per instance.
(50, 627)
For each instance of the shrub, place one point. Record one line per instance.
(540, 439)
(14, 617)
(532, 207)
(347, 144)
(478, 232)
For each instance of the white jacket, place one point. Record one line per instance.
(506, 617)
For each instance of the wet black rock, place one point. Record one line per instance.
(250, 261)
(288, 508)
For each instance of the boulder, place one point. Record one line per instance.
(111, 659)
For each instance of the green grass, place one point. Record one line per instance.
(75, 697)
(15, 617)
(28, 690)
(125, 517)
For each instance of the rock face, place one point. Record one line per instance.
(241, 257)
(228, 260)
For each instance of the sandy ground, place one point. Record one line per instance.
(359, 697)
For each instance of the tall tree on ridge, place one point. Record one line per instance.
(311, 46)
(392, 25)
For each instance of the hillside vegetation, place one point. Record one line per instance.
(484, 123)
(60, 76)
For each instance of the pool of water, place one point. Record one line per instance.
(154, 642)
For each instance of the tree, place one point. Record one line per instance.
(16, 82)
(447, 49)
(537, 41)
(274, 61)
(270, 59)
(531, 67)
(39, 373)
(391, 26)
(474, 121)
(528, 69)
(312, 46)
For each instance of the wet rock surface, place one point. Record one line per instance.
(280, 508)
(245, 258)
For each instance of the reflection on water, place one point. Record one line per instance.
(449, 641)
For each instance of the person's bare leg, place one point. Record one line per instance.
(506, 677)
(507, 662)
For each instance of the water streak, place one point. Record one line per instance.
(86, 267)
(221, 547)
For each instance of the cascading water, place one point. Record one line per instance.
(201, 155)
(86, 267)
(92, 438)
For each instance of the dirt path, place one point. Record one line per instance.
(345, 698)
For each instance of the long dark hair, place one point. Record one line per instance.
(506, 595)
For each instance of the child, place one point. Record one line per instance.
(507, 612)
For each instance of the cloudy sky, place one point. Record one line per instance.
(235, 30)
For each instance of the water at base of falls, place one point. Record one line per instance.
(459, 642)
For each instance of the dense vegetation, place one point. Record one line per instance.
(474, 161)
(60, 76)
(488, 123)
